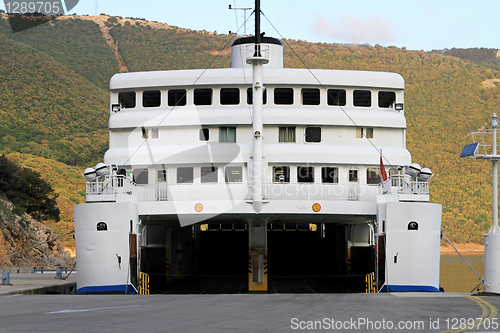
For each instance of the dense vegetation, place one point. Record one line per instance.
(54, 101)
(28, 191)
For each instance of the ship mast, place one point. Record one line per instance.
(257, 61)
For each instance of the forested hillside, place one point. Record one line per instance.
(54, 100)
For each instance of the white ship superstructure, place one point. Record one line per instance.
(182, 166)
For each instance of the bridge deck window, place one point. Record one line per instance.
(362, 98)
(313, 134)
(140, 176)
(233, 174)
(204, 134)
(151, 98)
(127, 99)
(161, 176)
(227, 134)
(336, 97)
(203, 96)
(310, 96)
(287, 134)
(283, 96)
(177, 97)
(250, 96)
(281, 174)
(329, 175)
(305, 174)
(185, 175)
(209, 174)
(373, 176)
(386, 99)
(230, 96)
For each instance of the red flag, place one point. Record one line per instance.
(382, 169)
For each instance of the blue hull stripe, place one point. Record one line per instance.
(396, 288)
(121, 288)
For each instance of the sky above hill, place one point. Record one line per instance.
(416, 25)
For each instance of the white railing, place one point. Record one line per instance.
(396, 184)
(404, 184)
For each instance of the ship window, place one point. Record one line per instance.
(151, 98)
(283, 96)
(154, 133)
(373, 176)
(353, 176)
(313, 134)
(250, 96)
(185, 175)
(305, 174)
(127, 99)
(161, 176)
(362, 98)
(287, 134)
(336, 97)
(144, 132)
(386, 99)
(234, 174)
(281, 174)
(177, 97)
(227, 134)
(310, 96)
(413, 225)
(204, 134)
(203, 96)
(329, 175)
(102, 226)
(361, 132)
(140, 176)
(230, 96)
(209, 175)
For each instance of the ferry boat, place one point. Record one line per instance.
(257, 170)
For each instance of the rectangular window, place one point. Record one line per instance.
(230, 96)
(234, 174)
(185, 175)
(250, 96)
(386, 99)
(281, 174)
(145, 133)
(151, 98)
(204, 134)
(361, 132)
(127, 99)
(287, 134)
(227, 134)
(209, 175)
(353, 176)
(373, 176)
(336, 97)
(140, 176)
(283, 96)
(329, 175)
(177, 97)
(203, 96)
(154, 133)
(161, 176)
(310, 96)
(313, 134)
(362, 98)
(305, 174)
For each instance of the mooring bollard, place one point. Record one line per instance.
(59, 273)
(6, 279)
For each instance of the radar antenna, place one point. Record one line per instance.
(244, 16)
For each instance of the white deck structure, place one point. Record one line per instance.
(182, 145)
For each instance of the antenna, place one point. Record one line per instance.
(245, 17)
(96, 6)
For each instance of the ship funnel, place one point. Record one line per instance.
(241, 47)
